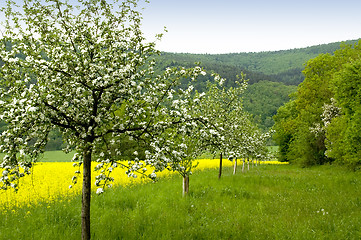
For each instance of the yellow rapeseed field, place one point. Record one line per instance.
(51, 180)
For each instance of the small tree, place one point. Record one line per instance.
(86, 71)
(256, 149)
(224, 112)
(185, 141)
(181, 143)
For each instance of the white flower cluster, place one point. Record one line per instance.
(330, 111)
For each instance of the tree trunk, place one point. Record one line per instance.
(220, 166)
(185, 185)
(244, 162)
(248, 163)
(86, 195)
(235, 166)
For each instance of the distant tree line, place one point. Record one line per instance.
(289, 77)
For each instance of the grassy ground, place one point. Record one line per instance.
(57, 156)
(268, 202)
(273, 149)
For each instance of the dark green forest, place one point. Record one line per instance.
(262, 99)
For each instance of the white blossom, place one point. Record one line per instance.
(99, 191)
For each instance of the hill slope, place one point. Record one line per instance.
(263, 99)
(279, 66)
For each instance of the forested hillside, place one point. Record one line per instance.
(262, 99)
(272, 76)
(279, 66)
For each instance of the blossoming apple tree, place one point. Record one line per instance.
(255, 143)
(223, 109)
(181, 143)
(86, 70)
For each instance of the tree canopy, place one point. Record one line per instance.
(320, 123)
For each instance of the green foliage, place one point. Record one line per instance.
(262, 100)
(347, 86)
(268, 202)
(335, 139)
(285, 129)
(306, 148)
(344, 131)
(319, 133)
(55, 141)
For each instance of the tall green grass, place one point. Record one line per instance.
(268, 202)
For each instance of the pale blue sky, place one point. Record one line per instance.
(201, 26)
(224, 26)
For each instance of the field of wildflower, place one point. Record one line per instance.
(52, 180)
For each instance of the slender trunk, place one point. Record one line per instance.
(220, 166)
(185, 185)
(244, 162)
(248, 163)
(235, 166)
(85, 211)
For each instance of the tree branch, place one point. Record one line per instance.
(71, 122)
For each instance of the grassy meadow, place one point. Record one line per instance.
(266, 202)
